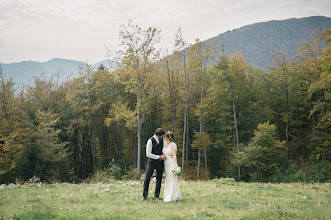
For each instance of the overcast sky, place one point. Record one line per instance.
(40, 30)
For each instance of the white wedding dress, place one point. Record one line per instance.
(171, 189)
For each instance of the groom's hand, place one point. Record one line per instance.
(163, 157)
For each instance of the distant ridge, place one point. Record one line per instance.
(23, 72)
(258, 41)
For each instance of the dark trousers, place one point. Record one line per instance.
(151, 166)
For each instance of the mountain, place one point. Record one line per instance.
(106, 63)
(258, 41)
(23, 72)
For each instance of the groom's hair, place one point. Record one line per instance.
(159, 132)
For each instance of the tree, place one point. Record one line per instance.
(320, 94)
(182, 52)
(284, 73)
(137, 54)
(233, 86)
(201, 141)
(101, 67)
(264, 154)
(169, 68)
(53, 151)
(82, 127)
(13, 131)
(200, 58)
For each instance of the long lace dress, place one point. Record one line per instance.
(171, 189)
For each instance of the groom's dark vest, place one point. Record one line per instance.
(157, 148)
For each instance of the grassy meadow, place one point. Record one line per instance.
(215, 199)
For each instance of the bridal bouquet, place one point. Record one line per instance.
(176, 170)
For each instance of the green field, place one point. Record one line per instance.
(216, 199)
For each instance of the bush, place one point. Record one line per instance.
(100, 176)
(191, 173)
(225, 181)
(115, 170)
(132, 174)
(264, 155)
(310, 173)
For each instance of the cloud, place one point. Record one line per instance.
(79, 29)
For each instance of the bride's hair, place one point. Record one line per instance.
(170, 135)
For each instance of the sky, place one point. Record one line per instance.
(84, 30)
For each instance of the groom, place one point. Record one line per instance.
(155, 161)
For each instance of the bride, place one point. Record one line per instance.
(171, 190)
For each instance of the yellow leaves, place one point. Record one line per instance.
(201, 140)
(200, 110)
(12, 148)
(120, 111)
(47, 118)
(76, 123)
(47, 137)
(207, 109)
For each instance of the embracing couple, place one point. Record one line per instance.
(161, 152)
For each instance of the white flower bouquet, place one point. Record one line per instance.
(176, 170)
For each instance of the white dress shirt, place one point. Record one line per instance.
(149, 147)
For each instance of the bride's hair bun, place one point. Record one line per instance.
(170, 135)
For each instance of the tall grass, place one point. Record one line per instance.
(217, 199)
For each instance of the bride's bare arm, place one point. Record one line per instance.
(174, 151)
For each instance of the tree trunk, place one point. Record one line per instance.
(205, 153)
(135, 152)
(171, 94)
(94, 167)
(188, 118)
(185, 116)
(139, 139)
(184, 136)
(236, 127)
(198, 170)
(187, 137)
(287, 141)
(139, 93)
(226, 162)
(201, 123)
(285, 74)
(90, 119)
(201, 119)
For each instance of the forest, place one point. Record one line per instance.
(229, 118)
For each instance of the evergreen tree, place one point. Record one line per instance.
(13, 131)
(53, 151)
(264, 154)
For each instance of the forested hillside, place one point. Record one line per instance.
(258, 41)
(229, 118)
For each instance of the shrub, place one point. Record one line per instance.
(225, 181)
(191, 173)
(264, 155)
(319, 172)
(132, 174)
(115, 170)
